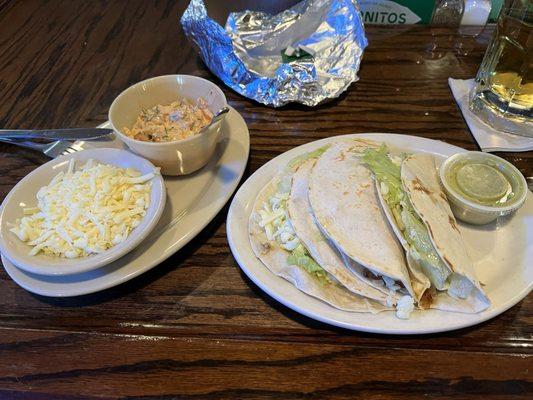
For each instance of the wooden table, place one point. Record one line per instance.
(195, 327)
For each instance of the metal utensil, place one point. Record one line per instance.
(52, 150)
(217, 117)
(57, 134)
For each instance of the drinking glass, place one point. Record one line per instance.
(503, 93)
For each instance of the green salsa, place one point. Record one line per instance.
(481, 182)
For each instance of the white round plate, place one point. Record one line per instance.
(24, 195)
(192, 202)
(501, 251)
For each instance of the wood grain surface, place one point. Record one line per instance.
(195, 327)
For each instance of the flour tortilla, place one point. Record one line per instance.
(275, 258)
(320, 248)
(368, 277)
(419, 282)
(345, 205)
(421, 183)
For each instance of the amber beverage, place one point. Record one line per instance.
(503, 95)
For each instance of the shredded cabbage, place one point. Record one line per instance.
(387, 171)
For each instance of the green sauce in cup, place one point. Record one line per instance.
(482, 183)
(481, 186)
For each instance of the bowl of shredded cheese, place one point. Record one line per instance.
(81, 211)
(167, 119)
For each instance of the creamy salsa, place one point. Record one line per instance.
(165, 123)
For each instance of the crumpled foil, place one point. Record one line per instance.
(250, 54)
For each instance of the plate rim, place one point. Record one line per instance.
(325, 319)
(9, 267)
(103, 258)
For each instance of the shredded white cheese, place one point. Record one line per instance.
(274, 219)
(86, 211)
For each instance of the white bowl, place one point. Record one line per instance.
(178, 157)
(24, 195)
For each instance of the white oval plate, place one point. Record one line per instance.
(24, 195)
(192, 202)
(502, 253)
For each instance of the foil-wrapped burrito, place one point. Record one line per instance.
(306, 54)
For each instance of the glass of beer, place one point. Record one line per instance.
(503, 92)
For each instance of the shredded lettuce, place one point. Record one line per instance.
(301, 257)
(284, 184)
(417, 236)
(387, 171)
(274, 220)
(306, 156)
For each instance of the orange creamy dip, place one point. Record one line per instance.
(167, 123)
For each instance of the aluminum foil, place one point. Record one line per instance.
(306, 54)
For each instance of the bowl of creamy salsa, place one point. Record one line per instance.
(178, 120)
(167, 119)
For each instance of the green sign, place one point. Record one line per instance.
(387, 12)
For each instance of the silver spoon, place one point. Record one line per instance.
(217, 117)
